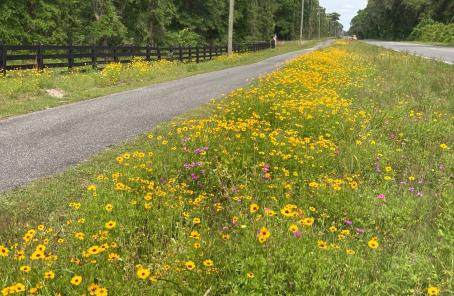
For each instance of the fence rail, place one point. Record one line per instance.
(70, 56)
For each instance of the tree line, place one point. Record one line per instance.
(396, 19)
(157, 22)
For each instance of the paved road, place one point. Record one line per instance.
(45, 142)
(445, 54)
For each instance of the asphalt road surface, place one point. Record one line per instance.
(46, 142)
(442, 53)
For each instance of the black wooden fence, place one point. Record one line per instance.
(58, 56)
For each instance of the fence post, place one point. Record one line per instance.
(39, 57)
(93, 57)
(197, 52)
(70, 56)
(3, 57)
(171, 53)
(158, 53)
(190, 53)
(115, 56)
(180, 53)
(148, 53)
(211, 52)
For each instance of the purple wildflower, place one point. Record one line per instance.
(200, 150)
(297, 234)
(360, 230)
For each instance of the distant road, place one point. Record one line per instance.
(442, 53)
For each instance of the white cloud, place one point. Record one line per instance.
(347, 9)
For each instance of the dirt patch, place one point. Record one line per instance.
(55, 92)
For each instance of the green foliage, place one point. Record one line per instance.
(431, 31)
(397, 19)
(155, 22)
(417, 31)
(184, 37)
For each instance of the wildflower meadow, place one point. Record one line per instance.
(330, 176)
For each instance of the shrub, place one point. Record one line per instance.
(428, 30)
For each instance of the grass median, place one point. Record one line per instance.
(331, 176)
(28, 90)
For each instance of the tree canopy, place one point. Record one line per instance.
(396, 19)
(159, 22)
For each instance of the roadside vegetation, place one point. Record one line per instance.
(422, 20)
(23, 91)
(431, 31)
(330, 176)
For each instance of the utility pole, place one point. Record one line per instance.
(302, 21)
(329, 27)
(230, 37)
(319, 16)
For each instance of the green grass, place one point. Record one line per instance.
(25, 91)
(338, 128)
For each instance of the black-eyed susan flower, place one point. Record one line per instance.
(19, 255)
(92, 288)
(373, 244)
(37, 255)
(322, 245)
(190, 265)
(76, 280)
(108, 207)
(79, 235)
(350, 252)
(433, 291)
(307, 221)
(250, 275)
(110, 224)
(208, 263)
(33, 290)
(143, 273)
(332, 229)
(113, 257)
(25, 268)
(293, 228)
(195, 234)
(253, 208)
(49, 275)
(3, 251)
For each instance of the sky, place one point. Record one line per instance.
(346, 8)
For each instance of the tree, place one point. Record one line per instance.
(157, 22)
(396, 19)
